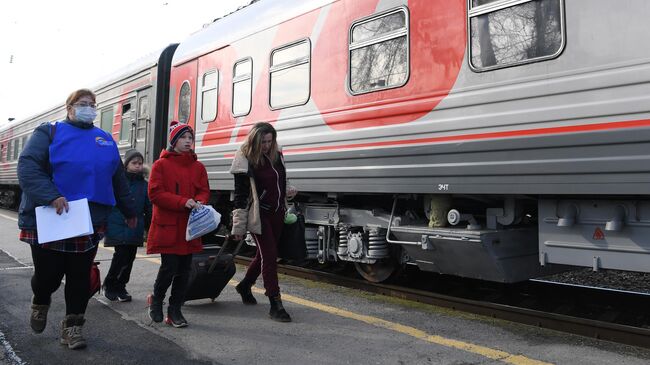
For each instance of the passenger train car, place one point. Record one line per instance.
(491, 139)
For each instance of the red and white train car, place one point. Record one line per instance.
(480, 138)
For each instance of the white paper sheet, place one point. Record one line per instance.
(53, 227)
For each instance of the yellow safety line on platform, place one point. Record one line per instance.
(407, 330)
(414, 332)
(145, 257)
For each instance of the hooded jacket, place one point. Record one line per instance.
(175, 178)
(118, 233)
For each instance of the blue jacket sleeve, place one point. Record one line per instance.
(123, 197)
(34, 172)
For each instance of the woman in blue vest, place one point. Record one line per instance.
(65, 161)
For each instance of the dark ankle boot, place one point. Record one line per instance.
(244, 289)
(175, 317)
(155, 308)
(277, 312)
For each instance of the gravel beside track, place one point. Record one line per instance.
(612, 279)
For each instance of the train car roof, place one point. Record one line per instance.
(143, 63)
(146, 62)
(250, 19)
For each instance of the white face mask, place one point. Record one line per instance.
(85, 114)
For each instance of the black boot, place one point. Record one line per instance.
(155, 308)
(244, 289)
(277, 312)
(175, 317)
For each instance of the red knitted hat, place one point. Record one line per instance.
(176, 130)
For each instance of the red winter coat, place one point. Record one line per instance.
(174, 179)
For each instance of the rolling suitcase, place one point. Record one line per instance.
(210, 273)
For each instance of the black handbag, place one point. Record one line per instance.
(292, 244)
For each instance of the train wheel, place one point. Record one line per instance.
(377, 272)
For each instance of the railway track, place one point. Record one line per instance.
(553, 316)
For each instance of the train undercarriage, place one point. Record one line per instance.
(494, 238)
(491, 238)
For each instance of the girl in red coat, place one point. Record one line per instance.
(178, 183)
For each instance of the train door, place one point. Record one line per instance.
(142, 123)
(127, 120)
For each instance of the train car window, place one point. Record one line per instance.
(143, 116)
(16, 148)
(503, 33)
(2, 150)
(379, 55)
(242, 87)
(209, 96)
(106, 120)
(23, 143)
(9, 150)
(290, 75)
(127, 122)
(184, 102)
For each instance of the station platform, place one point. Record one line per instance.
(331, 325)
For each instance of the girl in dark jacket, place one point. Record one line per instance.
(260, 193)
(177, 184)
(126, 240)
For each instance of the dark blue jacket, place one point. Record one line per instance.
(35, 178)
(118, 232)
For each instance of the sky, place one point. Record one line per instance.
(50, 48)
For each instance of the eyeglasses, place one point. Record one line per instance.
(92, 105)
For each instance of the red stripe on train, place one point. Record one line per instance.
(477, 136)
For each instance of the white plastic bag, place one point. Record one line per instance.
(203, 219)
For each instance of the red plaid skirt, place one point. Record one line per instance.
(74, 244)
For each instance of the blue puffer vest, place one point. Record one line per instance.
(83, 163)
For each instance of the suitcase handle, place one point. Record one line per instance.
(225, 243)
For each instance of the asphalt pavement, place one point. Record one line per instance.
(331, 325)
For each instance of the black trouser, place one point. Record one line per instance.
(175, 271)
(120, 272)
(49, 268)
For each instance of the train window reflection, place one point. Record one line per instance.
(143, 115)
(184, 103)
(16, 148)
(290, 75)
(379, 55)
(502, 36)
(209, 96)
(127, 122)
(378, 27)
(242, 87)
(483, 2)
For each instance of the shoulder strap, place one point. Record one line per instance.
(52, 130)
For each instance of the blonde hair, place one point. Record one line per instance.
(252, 148)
